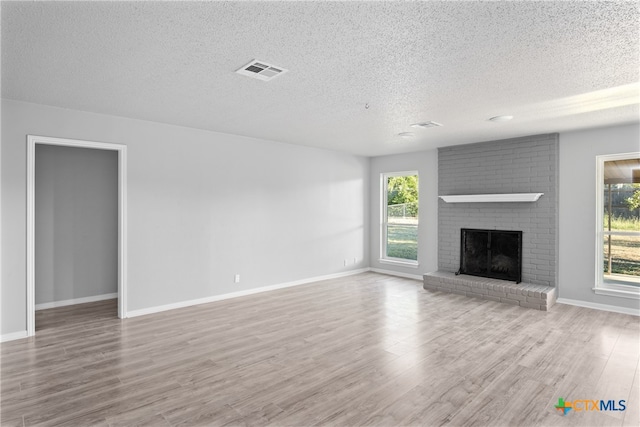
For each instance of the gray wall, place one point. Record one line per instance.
(578, 151)
(521, 165)
(76, 223)
(426, 163)
(203, 206)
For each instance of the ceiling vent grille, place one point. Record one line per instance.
(425, 125)
(261, 70)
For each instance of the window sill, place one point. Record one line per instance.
(399, 262)
(618, 291)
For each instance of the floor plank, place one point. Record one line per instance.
(368, 349)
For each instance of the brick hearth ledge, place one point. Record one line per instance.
(523, 294)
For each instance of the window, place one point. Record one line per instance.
(399, 231)
(618, 225)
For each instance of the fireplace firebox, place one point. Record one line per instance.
(491, 253)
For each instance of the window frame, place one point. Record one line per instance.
(384, 224)
(602, 287)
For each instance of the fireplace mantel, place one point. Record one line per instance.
(492, 198)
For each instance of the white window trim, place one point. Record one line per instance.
(400, 262)
(384, 259)
(603, 288)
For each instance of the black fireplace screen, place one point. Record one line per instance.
(491, 253)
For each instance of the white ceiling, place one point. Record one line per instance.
(555, 66)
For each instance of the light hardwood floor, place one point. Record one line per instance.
(368, 349)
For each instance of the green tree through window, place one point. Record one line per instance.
(403, 190)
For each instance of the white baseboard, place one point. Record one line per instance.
(205, 300)
(596, 306)
(74, 301)
(13, 336)
(395, 273)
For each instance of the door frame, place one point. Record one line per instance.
(32, 141)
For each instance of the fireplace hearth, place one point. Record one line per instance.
(495, 254)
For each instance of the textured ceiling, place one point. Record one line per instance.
(555, 66)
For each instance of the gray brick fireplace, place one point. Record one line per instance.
(519, 165)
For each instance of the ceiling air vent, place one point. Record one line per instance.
(425, 125)
(261, 70)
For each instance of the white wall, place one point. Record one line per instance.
(76, 223)
(426, 163)
(577, 222)
(202, 206)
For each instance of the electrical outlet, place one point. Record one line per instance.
(346, 262)
(355, 260)
(236, 279)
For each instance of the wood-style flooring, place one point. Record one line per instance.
(367, 350)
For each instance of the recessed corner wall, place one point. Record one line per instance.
(520, 165)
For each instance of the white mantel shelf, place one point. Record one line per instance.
(492, 198)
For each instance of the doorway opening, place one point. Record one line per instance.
(121, 274)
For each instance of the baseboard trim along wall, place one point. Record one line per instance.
(596, 306)
(182, 304)
(74, 301)
(13, 336)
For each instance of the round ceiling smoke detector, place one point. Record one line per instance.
(406, 135)
(500, 118)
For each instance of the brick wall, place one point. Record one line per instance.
(519, 165)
